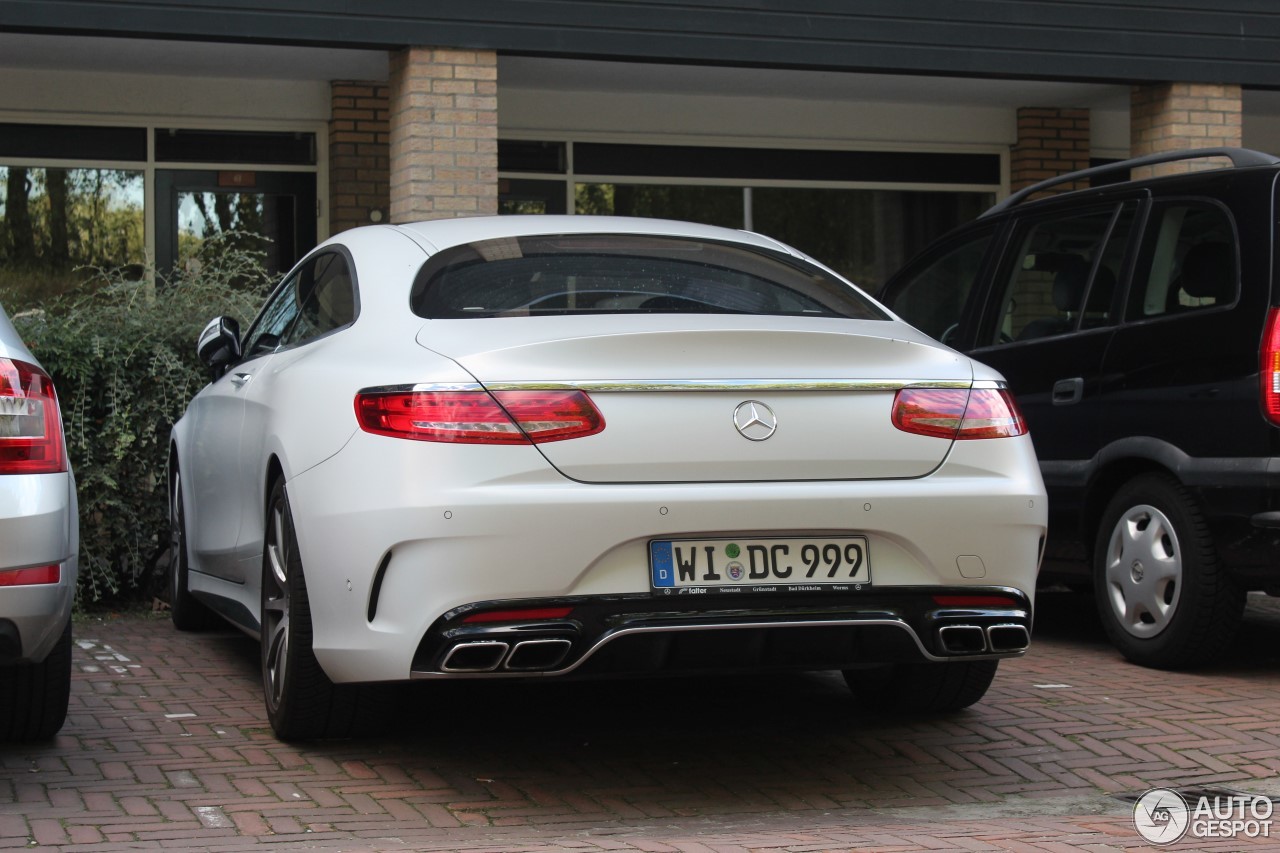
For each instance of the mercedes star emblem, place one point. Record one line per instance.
(755, 420)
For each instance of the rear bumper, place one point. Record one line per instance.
(642, 634)
(37, 528)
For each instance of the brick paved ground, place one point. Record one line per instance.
(167, 746)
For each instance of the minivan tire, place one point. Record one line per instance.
(1164, 598)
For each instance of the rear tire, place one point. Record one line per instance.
(1164, 599)
(921, 688)
(302, 703)
(34, 696)
(186, 611)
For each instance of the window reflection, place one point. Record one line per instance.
(56, 223)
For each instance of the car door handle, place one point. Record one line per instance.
(1067, 392)
(240, 379)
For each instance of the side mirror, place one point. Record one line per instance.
(219, 345)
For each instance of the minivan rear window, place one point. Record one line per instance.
(556, 275)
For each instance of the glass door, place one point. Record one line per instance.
(270, 212)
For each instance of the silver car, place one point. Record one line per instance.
(39, 538)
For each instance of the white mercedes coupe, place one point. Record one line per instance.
(543, 446)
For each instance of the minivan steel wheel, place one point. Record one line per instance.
(1162, 595)
(1143, 565)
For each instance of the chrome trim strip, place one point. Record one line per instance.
(625, 386)
(654, 629)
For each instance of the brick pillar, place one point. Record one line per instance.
(1051, 141)
(1174, 116)
(444, 133)
(359, 155)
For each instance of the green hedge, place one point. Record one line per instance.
(122, 357)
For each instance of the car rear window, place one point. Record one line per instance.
(553, 275)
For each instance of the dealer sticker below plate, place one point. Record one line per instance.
(760, 565)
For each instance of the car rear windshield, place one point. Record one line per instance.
(555, 275)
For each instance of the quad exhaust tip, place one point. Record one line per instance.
(478, 656)
(1008, 638)
(962, 639)
(537, 655)
(533, 655)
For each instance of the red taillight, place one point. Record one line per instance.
(477, 417)
(530, 613)
(30, 427)
(30, 577)
(956, 413)
(1269, 368)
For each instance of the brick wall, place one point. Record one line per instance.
(359, 154)
(1051, 142)
(1175, 116)
(444, 133)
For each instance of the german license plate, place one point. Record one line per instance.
(760, 565)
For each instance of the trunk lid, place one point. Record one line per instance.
(717, 399)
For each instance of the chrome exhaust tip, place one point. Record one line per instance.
(962, 639)
(477, 656)
(543, 654)
(1008, 638)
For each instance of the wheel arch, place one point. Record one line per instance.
(1117, 464)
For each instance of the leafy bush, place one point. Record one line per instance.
(122, 357)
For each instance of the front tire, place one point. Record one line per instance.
(1163, 597)
(302, 703)
(921, 688)
(186, 611)
(34, 696)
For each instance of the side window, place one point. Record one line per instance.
(933, 299)
(268, 329)
(325, 298)
(317, 298)
(1064, 274)
(1192, 261)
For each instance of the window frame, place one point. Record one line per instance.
(287, 284)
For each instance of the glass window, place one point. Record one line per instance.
(1193, 261)
(709, 205)
(325, 297)
(933, 300)
(626, 274)
(273, 320)
(1060, 264)
(56, 224)
(865, 235)
(317, 298)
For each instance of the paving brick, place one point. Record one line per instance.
(766, 763)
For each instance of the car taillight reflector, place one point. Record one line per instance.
(1269, 368)
(478, 417)
(957, 413)
(530, 613)
(30, 426)
(30, 577)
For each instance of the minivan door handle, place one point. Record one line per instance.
(1067, 392)
(240, 379)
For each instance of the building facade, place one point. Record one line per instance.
(857, 130)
